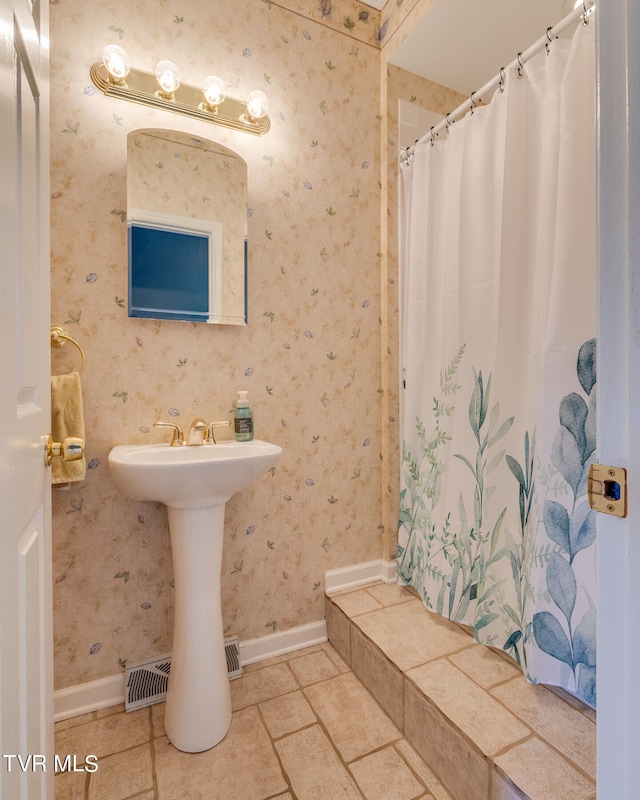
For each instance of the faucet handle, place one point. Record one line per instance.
(211, 438)
(197, 431)
(178, 435)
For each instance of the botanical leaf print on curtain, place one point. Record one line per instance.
(498, 358)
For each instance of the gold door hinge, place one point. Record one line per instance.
(607, 490)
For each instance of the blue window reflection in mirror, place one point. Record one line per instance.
(175, 267)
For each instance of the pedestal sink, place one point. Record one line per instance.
(194, 483)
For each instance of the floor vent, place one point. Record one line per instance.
(146, 682)
(232, 651)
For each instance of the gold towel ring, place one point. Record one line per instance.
(59, 337)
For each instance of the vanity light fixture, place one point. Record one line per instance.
(116, 78)
(214, 91)
(168, 77)
(256, 105)
(117, 63)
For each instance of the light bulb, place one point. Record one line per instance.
(168, 76)
(116, 61)
(256, 104)
(214, 90)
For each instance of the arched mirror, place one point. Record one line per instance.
(187, 228)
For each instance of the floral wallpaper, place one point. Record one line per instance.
(314, 357)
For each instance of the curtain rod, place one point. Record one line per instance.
(583, 10)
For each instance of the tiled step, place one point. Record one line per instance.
(485, 732)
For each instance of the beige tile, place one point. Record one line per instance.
(282, 659)
(70, 785)
(379, 675)
(485, 666)
(503, 789)
(157, 720)
(461, 768)
(422, 770)
(314, 769)
(469, 707)
(65, 724)
(385, 776)
(542, 774)
(357, 602)
(390, 594)
(123, 774)
(286, 714)
(102, 737)
(337, 659)
(574, 701)
(105, 712)
(564, 727)
(338, 629)
(243, 765)
(313, 667)
(410, 635)
(354, 721)
(263, 684)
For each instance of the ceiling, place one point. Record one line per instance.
(462, 44)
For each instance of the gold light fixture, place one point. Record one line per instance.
(116, 78)
(214, 91)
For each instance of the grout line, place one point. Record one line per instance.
(317, 721)
(283, 772)
(490, 758)
(412, 770)
(152, 745)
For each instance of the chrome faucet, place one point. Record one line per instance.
(197, 432)
(178, 435)
(211, 438)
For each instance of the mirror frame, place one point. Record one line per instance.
(212, 228)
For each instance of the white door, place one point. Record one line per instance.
(618, 599)
(26, 685)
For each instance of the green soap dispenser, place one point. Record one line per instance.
(243, 419)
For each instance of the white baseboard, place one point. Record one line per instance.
(110, 691)
(281, 642)
(86, 697)
(337, 580)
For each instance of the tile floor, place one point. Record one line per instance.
(304, 728)
(402, 705)
(467, 709)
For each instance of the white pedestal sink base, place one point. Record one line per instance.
(194, 483)
(198, 707)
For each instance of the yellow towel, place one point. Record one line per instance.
(67, 419)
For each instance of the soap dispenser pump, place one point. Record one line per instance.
(243, 419)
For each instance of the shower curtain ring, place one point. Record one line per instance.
(433, 138)
(549, 39)
(501, 80)
(585, 13)
(449, 122)
(473, 102)
(520, 65)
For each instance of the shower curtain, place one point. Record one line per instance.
(499, 370)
